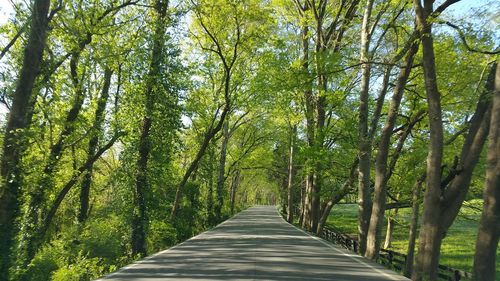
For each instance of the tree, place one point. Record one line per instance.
(434, 226)
(139, 221)
(97, 129)
(19, 120)
(229, 43)
(382, 174)
(364, 198)
(489, 231)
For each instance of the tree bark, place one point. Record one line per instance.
(14, 144)
(309, 100)
(489, 226)
(389, 231)
(210, 192)
(290, 204)
(97, 128)
(306, 211)
(430, 237)
(364, 145)
(234, 186)
(428, 254)
(222, 171)
(302, 203)
(139, 218)
(381, 178)
(412, 236)
(455, 190)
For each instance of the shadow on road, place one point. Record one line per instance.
(254, 245)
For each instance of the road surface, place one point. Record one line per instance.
(256, 244)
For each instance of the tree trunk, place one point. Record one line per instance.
(381, 178)
(31, 222)
(290, 204)
(428, 254)
(489, 225)
(364, 200)
(306, 221)
(310, 124)
(456, 191)
(302, 203)
(210, 192)
(139, 218)
(222, 171)
(14, 144)
(67, 187)
(234, 186)
(388, 233)
(444, 197)
(412, 236)
(97, 128)
(390, 229)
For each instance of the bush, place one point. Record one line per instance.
(46, 261)
(82, 269)
(104, 238)
(81, 253)
(161, 235)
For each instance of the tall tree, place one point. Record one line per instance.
(489, 225)
(444, 195)
(325, 25)
(229, 34)
(14, 140)
(428, 256)
(290, 171)
(222, 170)
(139, 220)
(381, 169)
(364, 197)
(96, 132)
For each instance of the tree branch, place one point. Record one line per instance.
(461, 34)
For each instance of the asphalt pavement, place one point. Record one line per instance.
(256, 244)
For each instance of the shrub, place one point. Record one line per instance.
(161, 235)
(104, 238)
(46, 261)
(82, 269)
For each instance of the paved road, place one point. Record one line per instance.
(256, 244)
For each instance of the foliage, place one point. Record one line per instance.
(254, 66)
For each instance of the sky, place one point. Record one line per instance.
(5, 10)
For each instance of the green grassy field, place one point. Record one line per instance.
(458, 246)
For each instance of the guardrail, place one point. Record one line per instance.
(391, 259)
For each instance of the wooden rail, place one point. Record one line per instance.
(391, 259)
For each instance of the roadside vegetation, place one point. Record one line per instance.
(131, 125)
(458, 246)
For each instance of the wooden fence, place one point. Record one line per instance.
(391, 259)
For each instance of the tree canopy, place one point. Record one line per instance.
(132, 125)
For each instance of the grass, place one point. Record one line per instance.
(457, 250)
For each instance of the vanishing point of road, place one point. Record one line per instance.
(256, 244)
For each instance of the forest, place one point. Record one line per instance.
(129, 126)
